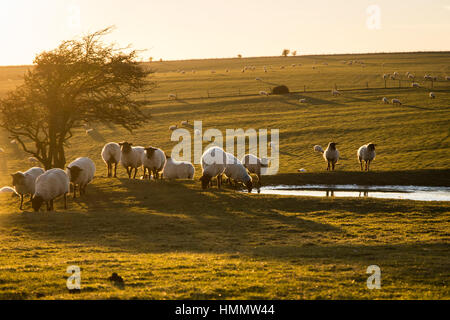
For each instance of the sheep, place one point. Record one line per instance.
(386, 76)
(331, 155)
(236, 171)
(258, 79)
(153, 160)
(366, 154)
(396, 102)
(185, 123)
(254, 165)
(415, 85)
(111, 154)
(263, 93)
(302, 101)
(385, 100)
(178, 169)
(335, 92)
(172, 96)
(395, 74)
(49, 186)
(24, 183)
(447, 78)
(428, 77)
(411, 76)
(173, 128)
(213, 165)
(432, 95)
(80, 172)
(131, 158)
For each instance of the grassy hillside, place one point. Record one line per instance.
(172, 240)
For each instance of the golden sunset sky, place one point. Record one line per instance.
(185, 29)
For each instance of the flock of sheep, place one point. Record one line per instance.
(45, 186)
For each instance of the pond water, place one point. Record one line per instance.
(416, 193)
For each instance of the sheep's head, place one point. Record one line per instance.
(332, 145)
(37, 203)
(18, 178)
(371, 146)
(205, 179)
(125, 147)
(150, 152)
(74, 172)
(249, 186)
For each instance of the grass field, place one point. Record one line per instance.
(171, 240)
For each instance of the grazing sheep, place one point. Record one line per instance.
(8, 190)
(331, 155)
(415, 85)
(153, 160)
(335, 92)
(173, 128)
(411, 76)
(432, 96)
(173, 96)
(111, 154)
(396, 102)
(258, 79)
(395, 74)
(254, 165)
(24, 183)
(263, 93)
(302, 101)
(49, 186)
(81, 172)
(131, 157)
(185, 123)
(178, 169)
(213, 165)
(385, 100)
(236, 172)
(366, 154)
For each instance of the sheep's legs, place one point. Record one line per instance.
(75, 191)
(135, 172)
(219, 181)
(334, 165)
(329, 166)
(115, 170)
(368, 166)
(108, 166)
(21, 202)
(129, 172)
(360, 161)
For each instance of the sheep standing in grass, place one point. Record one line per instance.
(331, 155)
(415, 85)
(236, 172)
(366, 154)
(111, 154)
(432, 96)
(131, 158)
(447, 78)
(24, 183)
(254, 165)
(178, 169)
(153, 160)
(213, 165)
(81, 172)
(396, 102)
(173, 128)
(173, 96)
(49, 186)
(385, 100)
(335, 92)
(263, 93)
(302, 101)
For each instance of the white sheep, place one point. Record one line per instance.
(432, 95)
(396, 102)
(81, 172)
(263, 93)
(385, 100)
(386, 76)
(447, 78)
(236, 172)
(111, 154)
(173, 128)
(49, 186)
(415, 85)
(185, 123)
(131, 158)
(172, 96)
(335, 92)
(254, 165)
(153, 160)
(411, 76)
(178, 169)
(24, 183)
(331, 155)
(366, 154)
(302, 101)
(258, 79)
(213, 165)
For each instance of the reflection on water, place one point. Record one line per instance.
(416, 193)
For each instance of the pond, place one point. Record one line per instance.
(416, 193)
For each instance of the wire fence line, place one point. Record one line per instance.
(439, 85)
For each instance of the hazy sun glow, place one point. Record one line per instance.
(179, 29)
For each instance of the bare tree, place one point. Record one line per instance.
(80, 81)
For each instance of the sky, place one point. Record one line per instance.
(197, 29)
